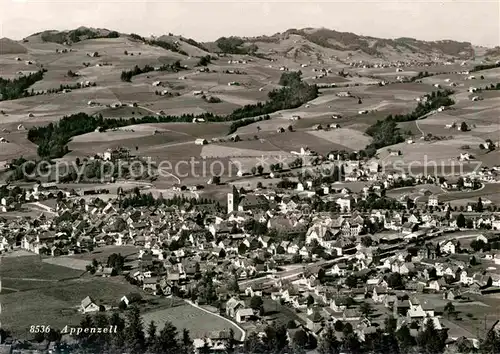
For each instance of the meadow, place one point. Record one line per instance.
(198, 322)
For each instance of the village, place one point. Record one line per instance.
(307, 251)
(246, 189)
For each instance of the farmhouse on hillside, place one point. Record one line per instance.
(88, 305)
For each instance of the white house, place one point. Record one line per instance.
(433, 201)
(466, 278)
(201, 141)
(88, 305)
(449, 247)
(243, 315)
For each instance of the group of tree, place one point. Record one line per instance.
(194, 43)
(11, 89)
(244, 122)
(386, 132)
(375, 201)
(127, 75)
(235, 45)
(257, 170)
(294, 94)
(204, 60)
(148, 200)
(159, 43)
(463, 222)
(62, 87)
(492, 87)
(481, 67)
(421, 75)
(131, 336)
(384, 340)
(167, 45)
(76, 35)
(116, 261)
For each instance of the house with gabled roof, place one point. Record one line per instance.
(243, 315)
(314, 322)
(88, 305)
(232, 305)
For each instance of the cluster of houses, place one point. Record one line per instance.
(402, 284)
(407, 261)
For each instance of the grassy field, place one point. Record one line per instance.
(477, 319)
(489, 189)
(32, 267)
(198, 322)
(55, 303)
(350, 138)
(102, 253)
(443, 152)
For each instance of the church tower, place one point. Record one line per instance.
(233, 199)
(230, 203)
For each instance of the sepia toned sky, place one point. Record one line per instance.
(476, 21)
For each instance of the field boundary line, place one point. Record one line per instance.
(243, 333)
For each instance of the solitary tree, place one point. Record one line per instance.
(449, 308)
(479, 205)
(134, 332)
(461, 220)
(256, 302)
(300, 338)
(339, 326)
(366, 241)
(310, 300)
(365, 309)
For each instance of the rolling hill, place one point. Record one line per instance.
(8, 46)
(325, 42)
(305, 43)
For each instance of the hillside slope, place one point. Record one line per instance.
(326, 42)
(8, 46)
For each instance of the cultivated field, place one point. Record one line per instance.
(56, 305)
(350, 138)
(32, 267)
(439, 152)
(51, 293)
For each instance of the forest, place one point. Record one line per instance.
(17, 88)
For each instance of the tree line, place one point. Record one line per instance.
(234, 45)
(485, 66)
(244, 122)
(133, 336)
(75, 35)
(386, 132)
(17, 88)
(127, 75)
(158, 43)
(147, 200)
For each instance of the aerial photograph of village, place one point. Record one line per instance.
(249, 178)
